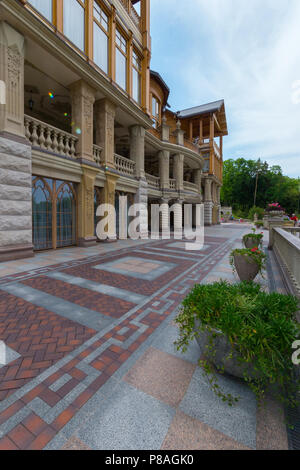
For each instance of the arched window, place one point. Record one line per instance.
(65, 214)
(42, 213)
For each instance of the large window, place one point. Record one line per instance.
(136, 78)
(44, 7)
(101, 32)
(155, 112)
(121, 60)
(74, 14)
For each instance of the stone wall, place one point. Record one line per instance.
(15, 200)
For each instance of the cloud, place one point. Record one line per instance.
(245, 52)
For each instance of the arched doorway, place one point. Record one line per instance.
(54, 213)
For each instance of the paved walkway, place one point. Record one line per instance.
(90, 359)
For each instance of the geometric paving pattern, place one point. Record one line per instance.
(120, 385)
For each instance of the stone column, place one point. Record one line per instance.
(83, 98)
(178, 171)
(137, 154)
(208, 203)
(178, 219)
(219, 203)
(105, 131)
(198, 181)
(12, 79)
(137, 149)
(165, 215)
(165, 130)
(179, 134)
(108, 197)
(15, 151)
(164, 169)
(86, 227)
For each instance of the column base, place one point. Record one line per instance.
(109, 240)
(14, 252)
(87, 242)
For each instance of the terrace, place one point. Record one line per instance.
(97, 367)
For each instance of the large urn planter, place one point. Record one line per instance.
(252, 242)
(225, 357)
(246, 268)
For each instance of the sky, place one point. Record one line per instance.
(245, 52)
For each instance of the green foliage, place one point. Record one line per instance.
(261, 327)
(253, 254)
(239, 179)
(259, 224)
(256, 210)
(258, 237)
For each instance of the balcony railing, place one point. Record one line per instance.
(132, 11)
(97, 154)
(172, 184)
(124, 165)
(153, 181)
(49, 138)
(190, 186)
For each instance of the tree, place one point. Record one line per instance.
(239, 180)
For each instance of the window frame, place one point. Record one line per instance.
(40, 14)
(84, 5)
(107, 32)
(120, 31)
(138, 69)
(156, 118)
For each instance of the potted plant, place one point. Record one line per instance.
(259, 224)
(247, 263)
(275, 210)
(246, 332)
(252, 240)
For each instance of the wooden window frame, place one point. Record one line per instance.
(119, 30)
(108, 33)
(154, 118)
(138, 69)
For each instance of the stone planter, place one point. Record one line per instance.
(246, 268)
(251, 243)
(223, 349)
(275, 213)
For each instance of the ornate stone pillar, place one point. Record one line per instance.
(198, 181)
(137, 149)
(179, 134)
(164, 169)
(178, 171)
(15, 151)
(83, 98)
(208, 203)
(105, 131)
(218, 190)
(86, 227)
(165, 215)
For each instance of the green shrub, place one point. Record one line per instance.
(256, 210)
(258, 237)
(262, 328)
(259, 224)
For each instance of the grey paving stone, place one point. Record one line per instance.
(60, 382)
(128, 420)
(165, 342)
(40, 407)
(100, 288)
(12, 422)
(237, 422)
(84, 316)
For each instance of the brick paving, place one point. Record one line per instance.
(78, 387)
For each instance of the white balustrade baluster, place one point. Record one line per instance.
(42, 139)
(55, 142)
(34, 135)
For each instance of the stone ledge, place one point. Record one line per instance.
(13, 252)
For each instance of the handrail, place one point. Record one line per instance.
(50, 138)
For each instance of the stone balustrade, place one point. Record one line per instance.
(287, 249)
(97, 154)
(49, 138)
(125, 165)
(293, 230)
(172, 184)
(153, 181)
(188, 186)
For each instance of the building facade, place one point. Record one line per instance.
(84, 120)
